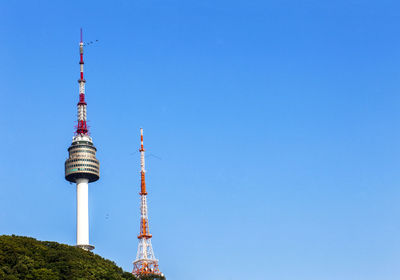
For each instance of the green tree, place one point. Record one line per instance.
(29, 259)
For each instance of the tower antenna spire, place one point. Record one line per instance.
(142, 166)
(82, 127)
(145, 263)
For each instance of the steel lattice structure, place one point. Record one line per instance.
(146, 262)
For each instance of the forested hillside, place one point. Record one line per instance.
(28, 258)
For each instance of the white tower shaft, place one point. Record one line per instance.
(82, 212)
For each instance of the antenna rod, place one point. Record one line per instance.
(142, 169)
(82, 126)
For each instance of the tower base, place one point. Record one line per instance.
(146, 267)
(86, 247)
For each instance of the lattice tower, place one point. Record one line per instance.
(146, 262)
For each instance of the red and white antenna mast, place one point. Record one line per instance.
(82, 126)
(145, 263)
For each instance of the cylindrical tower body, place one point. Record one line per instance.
(82, 212)
(82, 166)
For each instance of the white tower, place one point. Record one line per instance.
(82, 166)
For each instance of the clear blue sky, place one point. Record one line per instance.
(274, 125)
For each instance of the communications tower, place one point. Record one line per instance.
(82, 166)
(145, 263)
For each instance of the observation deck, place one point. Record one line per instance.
(82, 162)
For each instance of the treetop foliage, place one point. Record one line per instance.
(27, 258)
